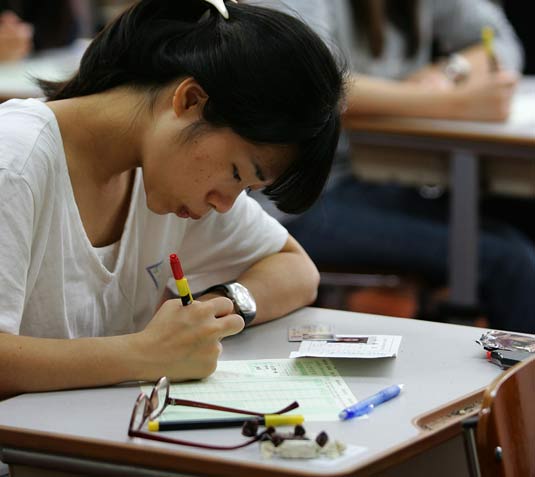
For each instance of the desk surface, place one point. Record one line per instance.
(518, 130)
(438, 363)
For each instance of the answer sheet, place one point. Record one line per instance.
(265, 386)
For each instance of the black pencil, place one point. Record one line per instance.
(268, 420)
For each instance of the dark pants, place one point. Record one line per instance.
(393, 227)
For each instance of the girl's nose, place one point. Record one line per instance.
(221, 202)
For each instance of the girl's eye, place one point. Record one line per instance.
(235, 173)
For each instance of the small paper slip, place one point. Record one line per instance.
(376, 346)
(314, 331)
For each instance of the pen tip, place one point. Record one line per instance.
(176, 266)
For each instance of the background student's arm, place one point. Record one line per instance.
(485, 99)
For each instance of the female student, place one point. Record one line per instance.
(390, 44)
(147, 151)
(15, 37)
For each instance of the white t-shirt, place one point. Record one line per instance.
(52, 280)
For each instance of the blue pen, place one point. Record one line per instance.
(367, 405)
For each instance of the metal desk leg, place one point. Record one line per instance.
(464, 224)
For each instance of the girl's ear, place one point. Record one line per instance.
(189, 97)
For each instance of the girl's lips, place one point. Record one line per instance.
(185, 213)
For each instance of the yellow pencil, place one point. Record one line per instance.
(487, 37)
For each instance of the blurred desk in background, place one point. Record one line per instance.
(465, 155)
(57, 64)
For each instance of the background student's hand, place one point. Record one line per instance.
(431, 77)
(486, 98)
(184, 342)
(16, 37)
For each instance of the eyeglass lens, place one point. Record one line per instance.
(159, 397)
(141, 412)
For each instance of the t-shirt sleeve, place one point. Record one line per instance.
(220, 247)
(16, 230)
(457, 25)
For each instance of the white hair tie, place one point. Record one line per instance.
(221, 8)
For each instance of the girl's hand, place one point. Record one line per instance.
(183, 342)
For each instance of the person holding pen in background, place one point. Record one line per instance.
(390, 46)
(176, 110)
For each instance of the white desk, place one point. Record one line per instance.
(449, 152)
(85, 431)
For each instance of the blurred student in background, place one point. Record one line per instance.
(16, 36)
(391, 45)
(32, 25)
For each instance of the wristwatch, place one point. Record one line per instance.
(244, 303)
(457, 68)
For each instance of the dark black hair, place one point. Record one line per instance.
(268, 76)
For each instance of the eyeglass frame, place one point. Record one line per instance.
(150, 408)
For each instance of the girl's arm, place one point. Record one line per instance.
(180, 342)
(282, 282)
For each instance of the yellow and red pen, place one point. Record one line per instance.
(181, 282)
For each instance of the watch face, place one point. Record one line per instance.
(243, 299)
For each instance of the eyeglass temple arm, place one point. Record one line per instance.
(215, 407)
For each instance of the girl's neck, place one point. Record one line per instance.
(101, 133)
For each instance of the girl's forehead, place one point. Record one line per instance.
(274, 159)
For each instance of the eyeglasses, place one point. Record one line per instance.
(151, 407)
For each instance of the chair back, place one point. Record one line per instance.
(505, 433)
